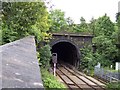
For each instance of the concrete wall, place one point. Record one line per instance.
(20, 68)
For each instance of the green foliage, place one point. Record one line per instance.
(106, 53)
(92, 26)
(70, 25)
(106, 48)
(51, 82)
(45, 56)
(105, 62)
(106, 34)
(1, 37)
(8, 35)
(118, 38)
(83, 26)
(114, 36)
(87, 59)
(113, 86)
(24, 18)
(58, 21)
(112, 70)
(61, 24)
(104, 26)
(118, 23)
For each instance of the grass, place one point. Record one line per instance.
(113, 86)
(111, 70)
(50, 82)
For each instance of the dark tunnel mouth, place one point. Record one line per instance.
(66, 52)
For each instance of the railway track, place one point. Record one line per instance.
(76, 80)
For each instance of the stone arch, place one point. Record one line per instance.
(66, 49)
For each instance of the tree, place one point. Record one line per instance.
(58, 22)
(104, 26)
(92, 25)
(69, 21)
(118, 23)
(87, 58)
(70, 25)
(25, 18)
(118, 33)
(106, 48)
(83, 26)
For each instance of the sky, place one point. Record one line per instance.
(87, 8)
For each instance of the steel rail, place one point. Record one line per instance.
(82, 79)
(70, 79)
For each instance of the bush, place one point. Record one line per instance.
(7, 35)
(24, 18)
(87, 59)
(44, 56)
(50, 81)
(106, 48)
(113, 86)
(98, 57)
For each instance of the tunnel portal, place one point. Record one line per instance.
(66, 52)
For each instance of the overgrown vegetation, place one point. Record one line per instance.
(105, 50)
(51, 82)
(44, 56)
(20, 19)
(87, 58)
(113, 86)
(106, 36)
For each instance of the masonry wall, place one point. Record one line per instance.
(78, 40)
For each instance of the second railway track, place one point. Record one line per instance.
(75, 80)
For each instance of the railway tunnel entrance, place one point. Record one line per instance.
(66, 52)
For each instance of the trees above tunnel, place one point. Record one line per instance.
(58, 21)
(101, 26)
(105, 36)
